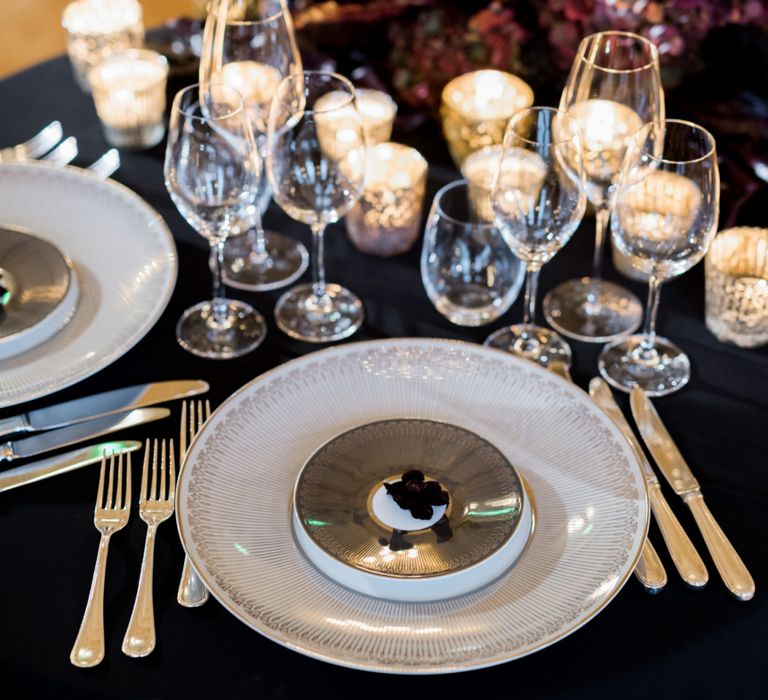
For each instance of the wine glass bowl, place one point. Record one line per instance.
(665, 218)
(538, 198)
(211, 167)
(316, 167)
(250, 46)
(613, 89)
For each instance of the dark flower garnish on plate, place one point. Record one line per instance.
(414, 493)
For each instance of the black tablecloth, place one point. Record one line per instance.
(678, 644)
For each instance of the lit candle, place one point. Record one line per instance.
(736, 269)
(655, 215)
(129, 92)
(520, 178)
(387, 218)
(606, 128)
(375, 109)
(257, 84)
(476, 107)
(97, 28)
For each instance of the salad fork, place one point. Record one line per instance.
(37, 146)
(155, 506)
(192, 592)
(109, 517)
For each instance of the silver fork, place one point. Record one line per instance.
(106, 165)
(38, 145)
(155, 506)
(63, 154)
(192, 592)
(109, 517)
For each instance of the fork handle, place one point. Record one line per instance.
(192, 592)
(89, 645)
(139, 638)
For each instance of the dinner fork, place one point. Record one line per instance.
(192, 592)
(38, 145)
(63, 154)
(109, 517)
(155, 506)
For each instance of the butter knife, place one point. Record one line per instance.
(649, 569)
(103, 404)
(730, 566)
(681, 549)
(53, 439)
(52, 466)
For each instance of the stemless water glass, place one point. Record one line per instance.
(665, 218)
(250, 46)
(316, 166)
(211, 172)
(613, 89)
(467, 267)
(538, 200)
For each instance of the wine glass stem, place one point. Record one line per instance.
(602, 219)
(649, 330)
(318, 261)
(219, 317)
(259, 247)
(531, 287)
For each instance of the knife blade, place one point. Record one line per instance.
(728, 563)
(61, 437)
(103, 404)
(684, 555)
(52, 466)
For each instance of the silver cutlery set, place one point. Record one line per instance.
(48, 147)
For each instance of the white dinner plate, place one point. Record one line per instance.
(234, 496)
(125, 260)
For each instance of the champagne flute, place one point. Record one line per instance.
(316, 165)
(613, 89)
(211, 173)
(250, 46)
(539, 198)
(665, 218)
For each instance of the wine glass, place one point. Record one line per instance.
(613, 89)
(250, 46)
(211, 173)
(467, 267)
(316, 166)
(539, 198)
(665, 218)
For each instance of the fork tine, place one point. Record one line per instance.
(100, 494)
(207, 409)
(119, 492)
(163, 470)
(183, 431)
(108, 504)
(191, 425)
(145, 469)
(200, 418)
(42, 142)
(153, 490)
(172, 477)
(127, 501)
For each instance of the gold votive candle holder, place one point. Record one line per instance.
(98, 28)
(386, 220)
(476, 107)
(129, 93)
(736, 271)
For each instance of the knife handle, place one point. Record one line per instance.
(649, 569)
(14, 424)
(728, 563)
(684, 555)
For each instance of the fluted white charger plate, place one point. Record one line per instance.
(125, 259)
(235, 489)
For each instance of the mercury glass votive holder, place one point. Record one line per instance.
(386, 220)
(736, 271)
(98, 28)
(129, 93)
(476, 107)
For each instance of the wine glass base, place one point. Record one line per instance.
(300, 314)
(614, 313)
(242, 330)
(533, 343)
(660, 371)
(283, 262)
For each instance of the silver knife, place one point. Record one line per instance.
(42, 469)
(53, 439)
(732, 570)
(683, 553)
(99, 405)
